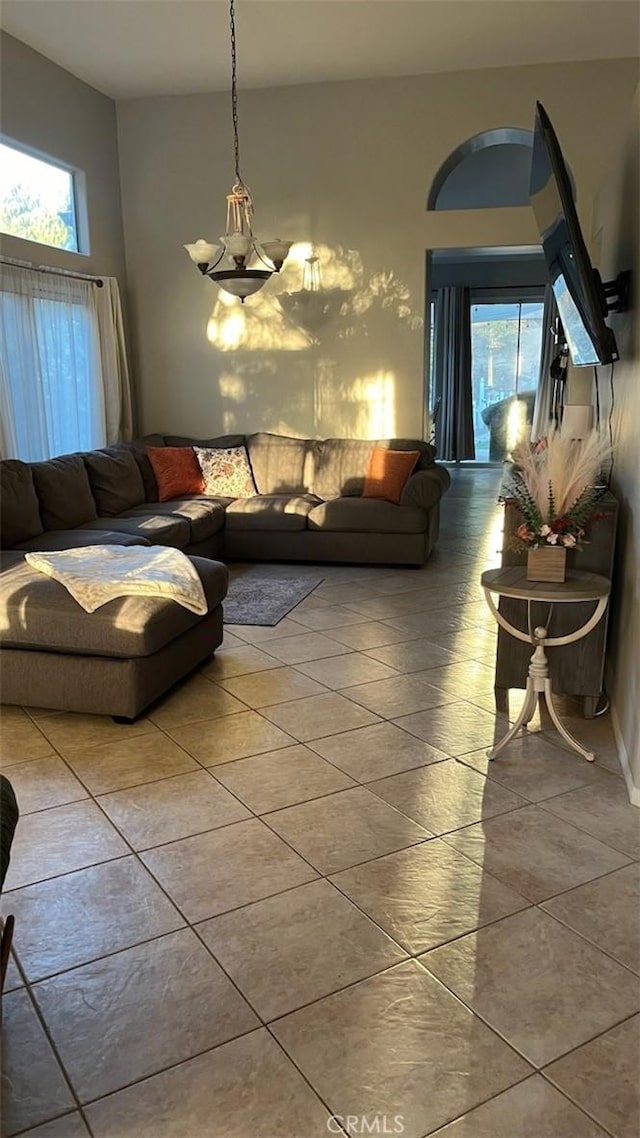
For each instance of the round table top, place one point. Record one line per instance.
(511, 581)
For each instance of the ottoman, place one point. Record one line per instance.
(115, 661)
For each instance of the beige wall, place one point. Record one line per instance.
(349, 166)
(616, 245)
(47, 108)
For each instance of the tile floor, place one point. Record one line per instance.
(296, 899)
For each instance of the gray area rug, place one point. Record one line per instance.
(265, 594)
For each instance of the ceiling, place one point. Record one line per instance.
(129, 48)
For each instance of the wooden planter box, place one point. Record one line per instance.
(548, 564)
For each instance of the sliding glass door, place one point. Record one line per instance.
(506, 344)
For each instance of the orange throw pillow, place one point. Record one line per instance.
(388, 472)
(177, 471)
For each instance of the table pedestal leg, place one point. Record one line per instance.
(526, 713)
(538, 683)
(561, 729)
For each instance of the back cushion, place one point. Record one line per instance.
(139, 452)
(280, 464)
(19, 509)
(222, 442)
(340, 465)
(426, 451)
(115, 480)
(64, 493)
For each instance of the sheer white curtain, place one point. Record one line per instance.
(64, 383)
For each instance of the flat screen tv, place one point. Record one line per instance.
(579, 292)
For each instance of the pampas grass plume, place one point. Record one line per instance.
(565, 467)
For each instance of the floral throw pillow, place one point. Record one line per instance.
(226, 473)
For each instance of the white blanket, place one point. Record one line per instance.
(97, 574)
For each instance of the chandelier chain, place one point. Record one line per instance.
(234, 91)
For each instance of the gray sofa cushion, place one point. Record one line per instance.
(340, 465)
(20, 510)
(427, 451)
(366, 515)
(158, 529)
(280, 464)
(271, 512)
(425, 487)
(224, 442)
(39, 613)
(204, 515)
(76, 538)
(139, 452)
(115, 480)
(64, 493)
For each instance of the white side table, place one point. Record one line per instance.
(512, 582)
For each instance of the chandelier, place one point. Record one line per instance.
(238, 246)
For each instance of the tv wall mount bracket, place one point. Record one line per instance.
(615, 294)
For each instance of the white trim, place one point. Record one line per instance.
(632, 790)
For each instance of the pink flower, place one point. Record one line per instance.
(524, 533)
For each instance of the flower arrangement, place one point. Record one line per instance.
(556, 485)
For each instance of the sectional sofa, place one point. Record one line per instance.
(308, 507)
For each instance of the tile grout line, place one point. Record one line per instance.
(44, 1027)
(536, 1068)
(325, 877)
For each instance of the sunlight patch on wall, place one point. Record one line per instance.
(257, 325)
(363, 407)
(342, 270)
(233, 388)
(287, 318)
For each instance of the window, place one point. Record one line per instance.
(506, 344)
(37, 199)
(485, 172)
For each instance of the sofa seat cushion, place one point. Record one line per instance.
(58, 539)
(115, 479)
(271, 512)
(366, 515)
(64, 492)
(155, 528)
(204, 515)
(38, 613)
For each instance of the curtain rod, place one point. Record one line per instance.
(97, 281)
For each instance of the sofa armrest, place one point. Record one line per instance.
(426, 487)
